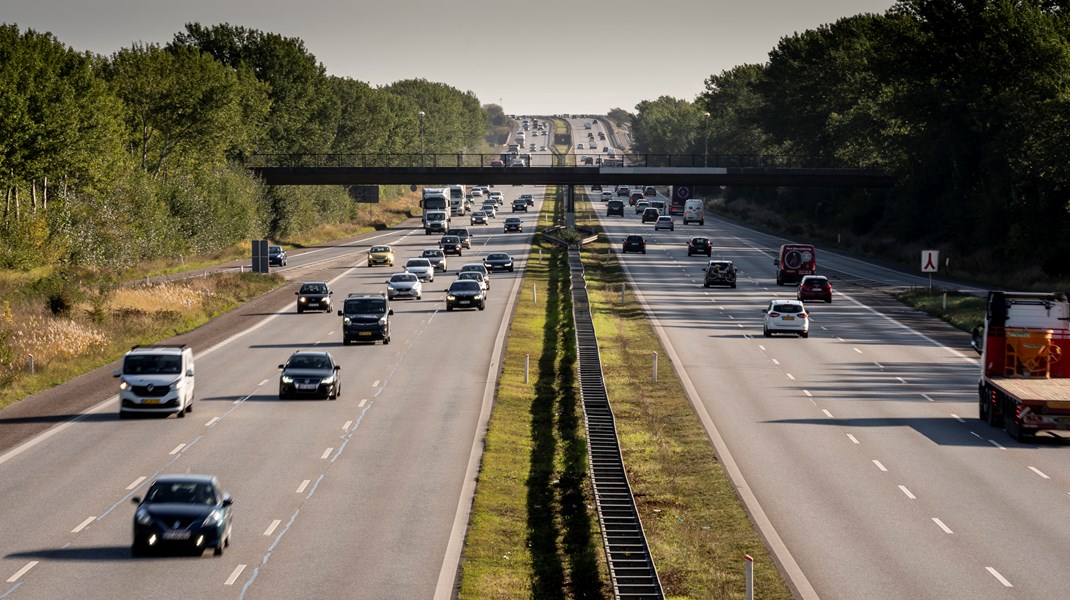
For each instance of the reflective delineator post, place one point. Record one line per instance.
(655, 367)
(748, 574)
(527, 362)
(30, 361)
(534, 295)
(622, 293)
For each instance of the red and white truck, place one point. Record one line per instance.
(1025, 363)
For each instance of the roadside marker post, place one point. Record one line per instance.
(748, 570)
(655, 367)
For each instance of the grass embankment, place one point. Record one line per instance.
(696, 526)
(963, 311)
(532, 531)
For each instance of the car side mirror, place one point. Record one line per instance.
(390, 312)
(227, 500)
(116, 373)
(135, 500)
(339, 313)
(776, 262)
(282, 366)
(337, 367)
(189, 372)
(978, 342)
(297, 293)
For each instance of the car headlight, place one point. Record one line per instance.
(287, 379)
(451, 297)
(142, 517)
(347, 321)
(123, 384)
(214, 518)
(327, 380)
(382, 321)
(302, 299)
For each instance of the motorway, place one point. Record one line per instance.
(363, 497)
(858, 449)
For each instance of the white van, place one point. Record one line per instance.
(156, 379)
(694, 210)
(436, 221)
(658, 204)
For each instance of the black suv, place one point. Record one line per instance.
(366, 318)
(634, 243)
(720, 272)
(614, 207)
(651, 215)
(314, 295)
(520, 204)
(450, 244)
(463, 233)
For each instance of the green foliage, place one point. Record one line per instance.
(453, 121)
(667, 126)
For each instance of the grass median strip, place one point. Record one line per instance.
(532, 532)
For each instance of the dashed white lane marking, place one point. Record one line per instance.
(901, 380)
(807, 394)
(857, 350)
(304, 484)
(264, 382)
(234, 575)
(136, 482)
(996, 444)
(879, 366)
(83, 525)
(212, 421)
(1039, 472)
(927, 397)
(823, 328)
(271, 528)
(326, 453)
(976, 435)
(904, 489)
(853, 439)
(960, 419)
(941, 525)
(376, 384)
(761, 347)
(776, 362)
(999, 577)
(790, 376)
(839, 339)
(740, 325)
(827, 413)
(880, 466)
(363, 401)
(346, 426)
(177, 449)
(22, 571)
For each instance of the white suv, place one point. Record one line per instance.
(786, 316)
(156, 379)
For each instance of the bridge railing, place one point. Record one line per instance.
(546, 160)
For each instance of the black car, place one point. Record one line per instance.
(520, 204)
(651, 215)
(513, 224)
(276, 256)
(310, 374)
(465, 293)
(450, 244)
(614, 207)
(366, 318)
(314, 295)
(182, 511)
(720, 272)
(498, 261)
(700, 245)
(634, 243)
(596, 187)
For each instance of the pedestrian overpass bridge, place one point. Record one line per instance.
(562, 169)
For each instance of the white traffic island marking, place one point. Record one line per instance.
(326, 453)
(304, 484)
(271, 528)
(136, 482)
(177, 449)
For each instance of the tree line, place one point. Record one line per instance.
(106, 161)
(966, 103)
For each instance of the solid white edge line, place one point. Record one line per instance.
(44, 435)
(271, 528)
(999, 577)
(83, 525)
(904, 489)
(1039, 472)
(22, 571)
(451, 560)
(941, 525)
(234, 575)
(796, 578)
(136, 482)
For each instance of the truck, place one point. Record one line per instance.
(520, 138)
(435, 200)
(794, 262)
(457, 200)
(1024, 344)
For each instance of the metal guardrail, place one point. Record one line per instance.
(461, 160)
(631, 568)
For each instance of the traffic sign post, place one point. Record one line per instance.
(930, 263)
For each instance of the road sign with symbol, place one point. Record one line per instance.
(930, 261)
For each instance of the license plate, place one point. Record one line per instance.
(789, 318)
(306, 386)
(464, 302)
(1058, 404)
(364, 333)
(150, 401)
(176, 534)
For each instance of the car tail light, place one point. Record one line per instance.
(802, 315)
(774, 314)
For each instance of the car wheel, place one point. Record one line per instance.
(701, 222)
(767, 333)
(386, 340)
(138, 549)
(710, 254)
(218, 550)
(181, 414)
(300, 310)
(337, 391)
(689, 253)
(510, 269)
(123, 414)
(449, 308)
(189, 405)
(733, 286)
(644, 251)
(828, 300)
(804, 334)
(482, 306)
(419, 297)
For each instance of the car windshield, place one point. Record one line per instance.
(274, 249)
(497, 256)
(719, 266)
(152, 364)
(380, 249)
(479, 213)
(418, 262)
(181, 492)
(635, 238)
(450, 239)
(309, 361)
(814, 281)
(787, 308)
(365, 306)
(465, 286)
(402, 277)
(473, 275)
(478, 268)
(435, 253)
(314, 288)
(697, 241)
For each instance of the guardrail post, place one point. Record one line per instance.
(748, 574)
(945, 300)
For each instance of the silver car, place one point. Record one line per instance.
(479, 268)
(437, 258)
(422, 268)
(404, 285)
(476, 276)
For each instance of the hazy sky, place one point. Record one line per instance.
(544, 57)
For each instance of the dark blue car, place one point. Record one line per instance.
(189, 512)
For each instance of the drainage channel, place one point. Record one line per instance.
(631, 568)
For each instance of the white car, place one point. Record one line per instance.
(477, 193)
(476, 276)
(490, 209)
(664, 222)
(786, 316)
(497, 197)
(477, 267)
(404, 285)
(607, 195)
(422, 268)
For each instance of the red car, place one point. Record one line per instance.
(497, 163)
(815, 287)
(700, 245)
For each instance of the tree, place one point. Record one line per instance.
(668, 126)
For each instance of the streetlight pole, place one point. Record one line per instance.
(706, 137)
(421, 113)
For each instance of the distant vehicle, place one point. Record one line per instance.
(490, 209)
(596, 187)
(314, 295)
(422, 268)
(477, 192)
(457, 200)
(634, 243)
(465, 293)
(623, 191)
(366, 318)
(587, 160)
(579, 146)
(276, 256)
(664, 222)
(156, 379)
(478, 217)
(719, 272)
(814, 287)
(786, 316)
(381, 255)
(601, 135)
(479, 268)
(186, 511)
(498, 261)
(528, 199)
(436, 221)
(437, 201)
(640, 208)
(517, 162)
(660, 205)
(651, 215)
(310, 373)
(476, 276)
(795, 261)
(496, 163)
(607, 196)
(437, 258)
(451, 244)
(514, 224)
(650, 191)
(404, 285)
(694, 212)
(614, 207)
(700, 245)
(520, 205)
(463, 233)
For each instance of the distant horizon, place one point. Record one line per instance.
(529, 63)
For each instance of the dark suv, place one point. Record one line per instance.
(614, 207)
(720, 272)
(634, 243)
(366, 318)
(463, 233)
(520, 204)
(314, 295)
(650, 215)
(450, 244)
